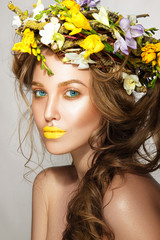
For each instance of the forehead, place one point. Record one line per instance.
(62, 71)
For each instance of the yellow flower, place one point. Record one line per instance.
(92, 44)
(158, 61)
(149, 52)
(70, 4)
(157, 47)
(76, 23)
(28, 42)
(34, 51)
(74, 8)
(154, 63)
(148, 56)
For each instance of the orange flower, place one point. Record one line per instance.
(151, 53)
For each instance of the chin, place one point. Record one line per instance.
(56, 148)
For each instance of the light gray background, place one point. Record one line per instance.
(15, 192)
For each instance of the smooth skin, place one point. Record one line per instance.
(131, 206)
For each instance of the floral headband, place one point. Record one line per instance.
(85, 35)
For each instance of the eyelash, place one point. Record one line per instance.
(72, 91)
(39, 90)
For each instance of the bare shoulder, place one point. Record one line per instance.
(62, 175)
(55, 179)
(133, 201)
(132, 187)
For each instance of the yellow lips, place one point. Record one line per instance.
(53, 132)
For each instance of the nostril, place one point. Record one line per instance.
(51, 111)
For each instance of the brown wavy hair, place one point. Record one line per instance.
(122, 138)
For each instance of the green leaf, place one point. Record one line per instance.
(58, 1)
(42, 65)
(108, 47)
(38, 16)
(139, 41)
(151, 31)
(158, 75)
(158, 68)
(152, 83)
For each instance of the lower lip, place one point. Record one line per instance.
(53, 135)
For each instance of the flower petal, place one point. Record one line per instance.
(130, 82)
(128, 34)
(79, 59)
(72, 56)
(69, 26)
(37, 10)
(102, 16)
(93, 3)
(124, 47)
(137, 30)
(125, 24)
(83, 65)
(131, 43)
(75, 31)
(16, 21)
(116, 46)
(132, 18)
(59, 38)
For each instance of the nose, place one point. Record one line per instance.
(52, 110)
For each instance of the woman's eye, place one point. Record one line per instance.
(40, 93)
(71, 94)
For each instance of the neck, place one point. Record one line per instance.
(82, 159)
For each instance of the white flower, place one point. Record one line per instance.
(79, 59)
(16, 21)
(38, 9)
(102, 16)
(130, 82)
(50, 33)
(132, 18)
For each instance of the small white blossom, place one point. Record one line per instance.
(39, 7)
(50, 33)
(16, 21)
(130, 82)
(79, 60)
(132, 18)
(102, 16)
(37, 10)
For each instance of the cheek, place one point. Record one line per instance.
(37, 110)
(83, 116)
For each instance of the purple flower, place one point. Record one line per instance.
(120, 43)
(89, 3)
(131, 32)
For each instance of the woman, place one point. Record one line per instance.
(91, 112)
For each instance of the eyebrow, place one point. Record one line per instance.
(37, 84)
(61, 84)
(65, 83)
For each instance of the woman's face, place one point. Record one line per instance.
(62, 108)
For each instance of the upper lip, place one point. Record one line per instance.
(52, 129)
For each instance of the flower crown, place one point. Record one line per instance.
(85, 35)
